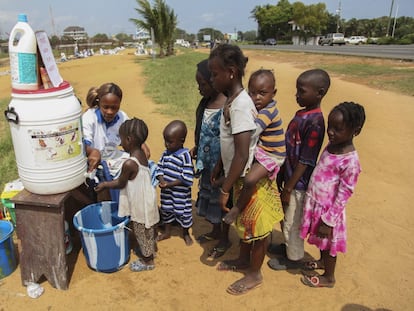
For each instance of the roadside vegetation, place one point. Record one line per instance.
(384, 74)
(398, 79)
(285, 19)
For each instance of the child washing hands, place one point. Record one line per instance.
(137, 197)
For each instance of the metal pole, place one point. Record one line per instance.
(389, 19)
(339, 16)
(395, 21)
(153, 43)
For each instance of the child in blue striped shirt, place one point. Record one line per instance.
(175, 175)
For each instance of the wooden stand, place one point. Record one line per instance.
(40, 227)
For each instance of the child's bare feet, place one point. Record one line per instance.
(232, 265)
(245, 284)
(163, 236)
(231, 215)
(188, 240)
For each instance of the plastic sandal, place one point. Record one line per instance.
(219, 251)
(315, 281)
(138, 266)
(312, 265)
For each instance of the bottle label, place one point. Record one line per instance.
(23, 68)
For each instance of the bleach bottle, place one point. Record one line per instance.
(23, 56)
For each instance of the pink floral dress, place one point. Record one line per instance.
(331, 185)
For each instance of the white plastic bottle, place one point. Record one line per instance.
(23, 56)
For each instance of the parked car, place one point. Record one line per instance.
(356, 40)
(333, 38)
(270, 41)
(320, 40)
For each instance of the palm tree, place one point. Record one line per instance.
(161, 19)
(169, 25)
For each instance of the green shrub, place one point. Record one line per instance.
(408, 38)
(386, 40)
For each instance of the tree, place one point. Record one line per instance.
(123, 37)
(311, 19)
(54, 41)
(161, 19)
(273, 20)
(213, 33)
(168, 25)
(314, 19)
(250, 36)
(100, 37)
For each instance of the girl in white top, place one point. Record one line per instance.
(137, 196)
(100, 126)
(101, 122)
(237, 142)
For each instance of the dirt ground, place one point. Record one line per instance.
(375, 274)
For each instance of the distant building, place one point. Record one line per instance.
(231, 36)
(75, 32)
(142, 34)
(300, 40)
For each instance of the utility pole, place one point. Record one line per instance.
(338, 12)
(389, 19)
(395, 21)
(53, 21)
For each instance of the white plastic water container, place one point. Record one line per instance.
(46, 131)
(23, 56)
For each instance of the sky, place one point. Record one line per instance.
(112, 17)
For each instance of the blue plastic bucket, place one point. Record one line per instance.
(104, 236)
(8, 261)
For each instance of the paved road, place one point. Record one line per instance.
(402, 52)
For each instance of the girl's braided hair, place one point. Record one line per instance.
(353, 114)
(230, 55)
(135, 128)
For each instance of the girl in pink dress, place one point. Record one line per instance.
(331, 185)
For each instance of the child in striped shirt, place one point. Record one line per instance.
(175, 175)
(271, 150)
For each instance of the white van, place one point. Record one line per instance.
(333, 38)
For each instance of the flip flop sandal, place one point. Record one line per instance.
(314, 281)
(219, 251)
(138, 266)
(311, 265)
(238, 289)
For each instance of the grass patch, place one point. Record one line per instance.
(398, 79)
(8, 169)
(171, 84)
(381, 73)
